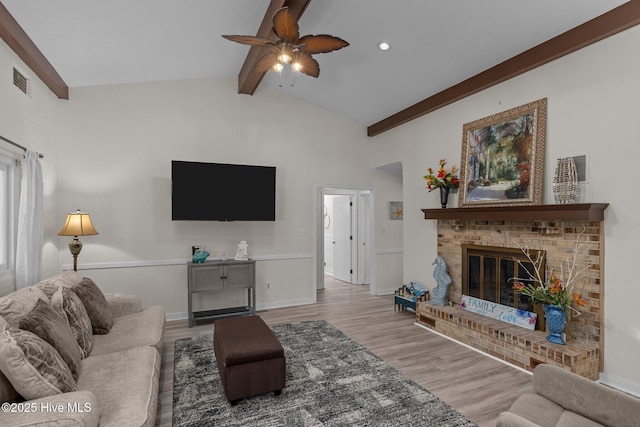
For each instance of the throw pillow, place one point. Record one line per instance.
(51, 284)
(48, 288)
(7, 391)
(33, 366)
(54, 329)
(65, 302)
(14, 306)
(418, 289)
(96, 305)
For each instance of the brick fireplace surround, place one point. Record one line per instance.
(513, 344)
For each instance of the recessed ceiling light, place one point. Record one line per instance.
(384, 46)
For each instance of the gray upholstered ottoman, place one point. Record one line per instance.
(249, 356)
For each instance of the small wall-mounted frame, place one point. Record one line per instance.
(396, 211)
(582, 167)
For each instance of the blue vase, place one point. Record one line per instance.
(200, 256)
(556, 319)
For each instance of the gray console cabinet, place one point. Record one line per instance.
(221, 276)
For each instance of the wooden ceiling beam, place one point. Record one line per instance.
(15, 37)
(248, 79)
(619, 19)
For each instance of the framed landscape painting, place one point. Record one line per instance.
(503, 157)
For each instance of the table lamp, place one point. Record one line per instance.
(77, 224)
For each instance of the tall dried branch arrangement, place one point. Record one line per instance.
(558, 290)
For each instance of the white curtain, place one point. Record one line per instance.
(30, 225)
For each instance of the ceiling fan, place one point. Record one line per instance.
(289, 47)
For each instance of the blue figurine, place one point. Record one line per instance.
(439, 293)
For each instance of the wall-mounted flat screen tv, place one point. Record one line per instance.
(222, 192)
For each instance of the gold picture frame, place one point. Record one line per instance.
(502, 160)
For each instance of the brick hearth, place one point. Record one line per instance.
(518, 346)
(524, 348)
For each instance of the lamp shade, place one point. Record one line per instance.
(77, 224)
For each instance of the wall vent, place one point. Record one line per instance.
(20, 81)
(535, 362)
(428, 321)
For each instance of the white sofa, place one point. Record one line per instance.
(117, 381)
(561, 398)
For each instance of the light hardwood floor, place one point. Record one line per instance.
(474, 384)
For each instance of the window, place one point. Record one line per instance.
(8, 207)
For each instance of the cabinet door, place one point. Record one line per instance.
(239, 276)
(206, 278)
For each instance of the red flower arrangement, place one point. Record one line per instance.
(443, 178)
(553, 292)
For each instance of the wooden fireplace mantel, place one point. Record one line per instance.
(568, 212)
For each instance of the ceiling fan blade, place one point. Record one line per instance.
(310, 66)
(254, 41)
(285, 25)
(266, 63)
(322, 43)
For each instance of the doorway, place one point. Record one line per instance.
(345, 236)
(338, 237)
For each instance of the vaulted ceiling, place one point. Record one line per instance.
(434, 44)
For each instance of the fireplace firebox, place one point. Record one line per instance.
(488, 273)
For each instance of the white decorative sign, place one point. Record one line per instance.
(512, 315)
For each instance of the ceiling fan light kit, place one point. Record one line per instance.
(289, 48)
(285, 55)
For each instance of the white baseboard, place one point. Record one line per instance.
(270, 306)
(619, 384)
(283, 304)
(176, 316)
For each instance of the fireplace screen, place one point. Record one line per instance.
(487, 273)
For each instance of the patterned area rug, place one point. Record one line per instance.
(331, 381)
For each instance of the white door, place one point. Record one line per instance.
(342, 269)
(327, 225)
